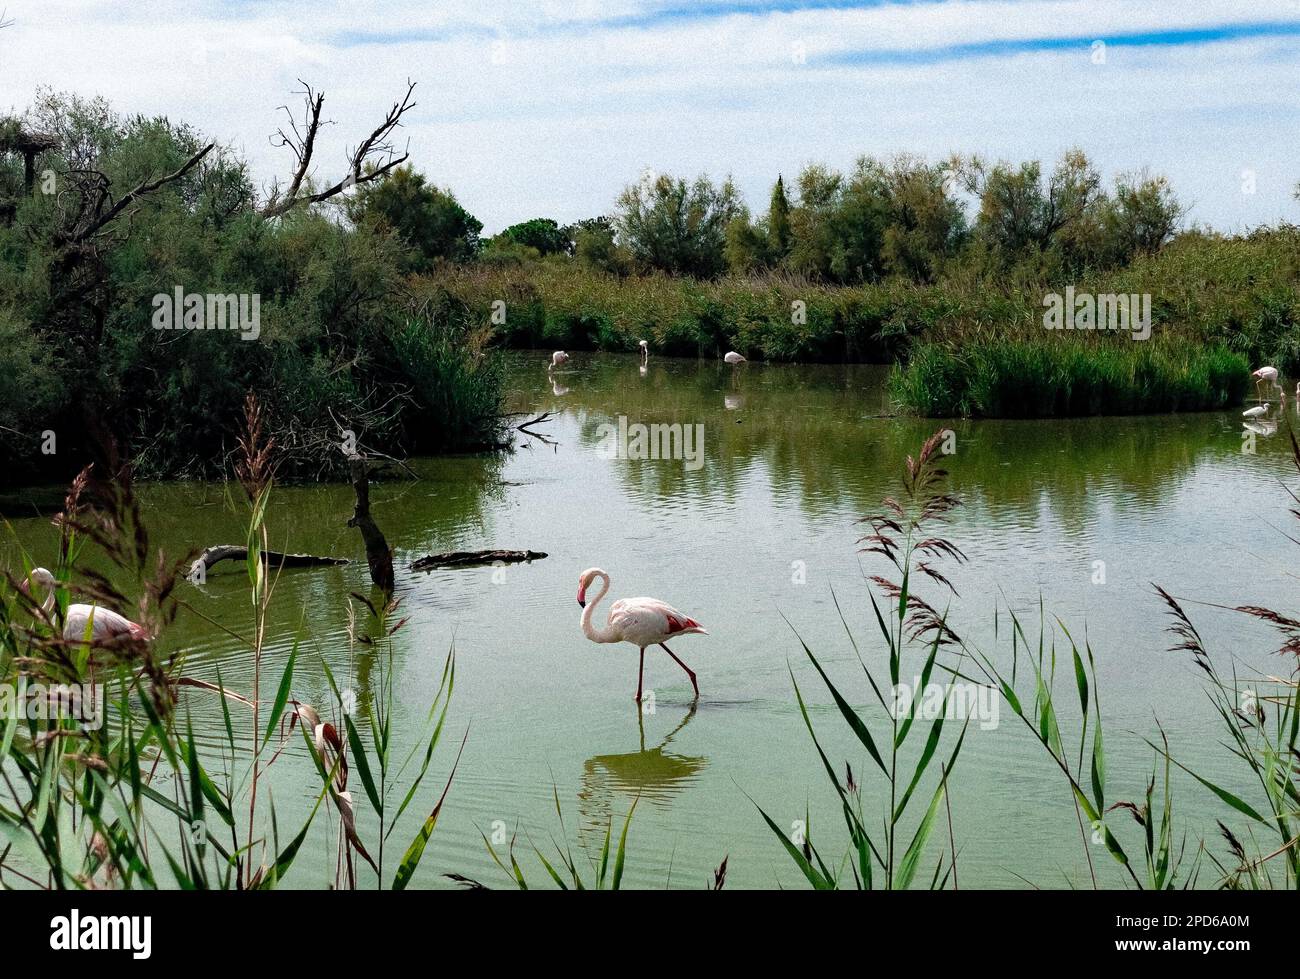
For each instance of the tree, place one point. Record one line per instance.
(593, 243)
(1143, 214)
(542, 234)
(924, 225)
(1021, 213)
(677, 227)
(778, 223)
(812, 221)
(429, 220)
(747, 244)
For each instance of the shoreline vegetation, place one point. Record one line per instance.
(380, 301)
(112, 790)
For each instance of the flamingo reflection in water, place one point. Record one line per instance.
(611, 783)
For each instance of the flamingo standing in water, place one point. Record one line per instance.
(645, 352)
(558, 359)
(641, 621)
(733, 358)
(1266, 375)
(105, 624)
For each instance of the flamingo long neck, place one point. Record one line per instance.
(606, 634)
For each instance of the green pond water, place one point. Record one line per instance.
(756, 530)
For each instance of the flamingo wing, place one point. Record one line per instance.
(646, 621)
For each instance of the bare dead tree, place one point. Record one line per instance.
(363, 162)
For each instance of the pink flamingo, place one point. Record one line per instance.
(1266, 375)
(641, 621)
(105, 624)
(558, 359)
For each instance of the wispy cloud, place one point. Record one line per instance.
(548, 108)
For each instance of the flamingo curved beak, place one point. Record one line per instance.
(582, 597)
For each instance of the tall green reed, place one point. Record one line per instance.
(909, 627)
(131, 802)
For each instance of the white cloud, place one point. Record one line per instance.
(550, 108)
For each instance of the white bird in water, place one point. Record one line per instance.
(1259, 411)
(557, 359)
(105, 624)
(645, 352)
(733, 358)
(641, 621)
(1266, 375)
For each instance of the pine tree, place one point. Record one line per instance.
(778, 222)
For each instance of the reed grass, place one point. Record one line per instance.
(909, 627)
(566, 870)
(1260, 720)
(1013, 377)
(133, 803)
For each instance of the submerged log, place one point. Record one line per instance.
(235, 552)
(469, 559)
(378, 554)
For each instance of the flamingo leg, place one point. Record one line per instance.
(689, 671)
(640, 675)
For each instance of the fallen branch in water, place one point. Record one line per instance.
(525, 427)
(236, 552)
(469, 559)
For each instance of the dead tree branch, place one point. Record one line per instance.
(362, 166)
(234, 552)
(469, 559)
(93, 217)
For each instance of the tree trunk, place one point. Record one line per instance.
(378, 554)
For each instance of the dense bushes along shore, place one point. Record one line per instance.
(1240, 293)
(380, 302)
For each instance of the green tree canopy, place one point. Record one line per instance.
(428, 219)
(675, 226)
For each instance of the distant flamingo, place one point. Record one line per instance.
(733, 358)
(645, 352)
(641, 621)
(106, 624)
(1266, 375)
(557, 359)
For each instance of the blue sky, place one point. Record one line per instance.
(549, 108)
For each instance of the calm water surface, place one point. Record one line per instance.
(762, 528)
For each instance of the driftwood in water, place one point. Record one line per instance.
(469, 559)
(235, 552)
(378, 554)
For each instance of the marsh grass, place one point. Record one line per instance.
(565, 870)
(1260, 719)
(1023, 377)
(909, 627)
(132, 803)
